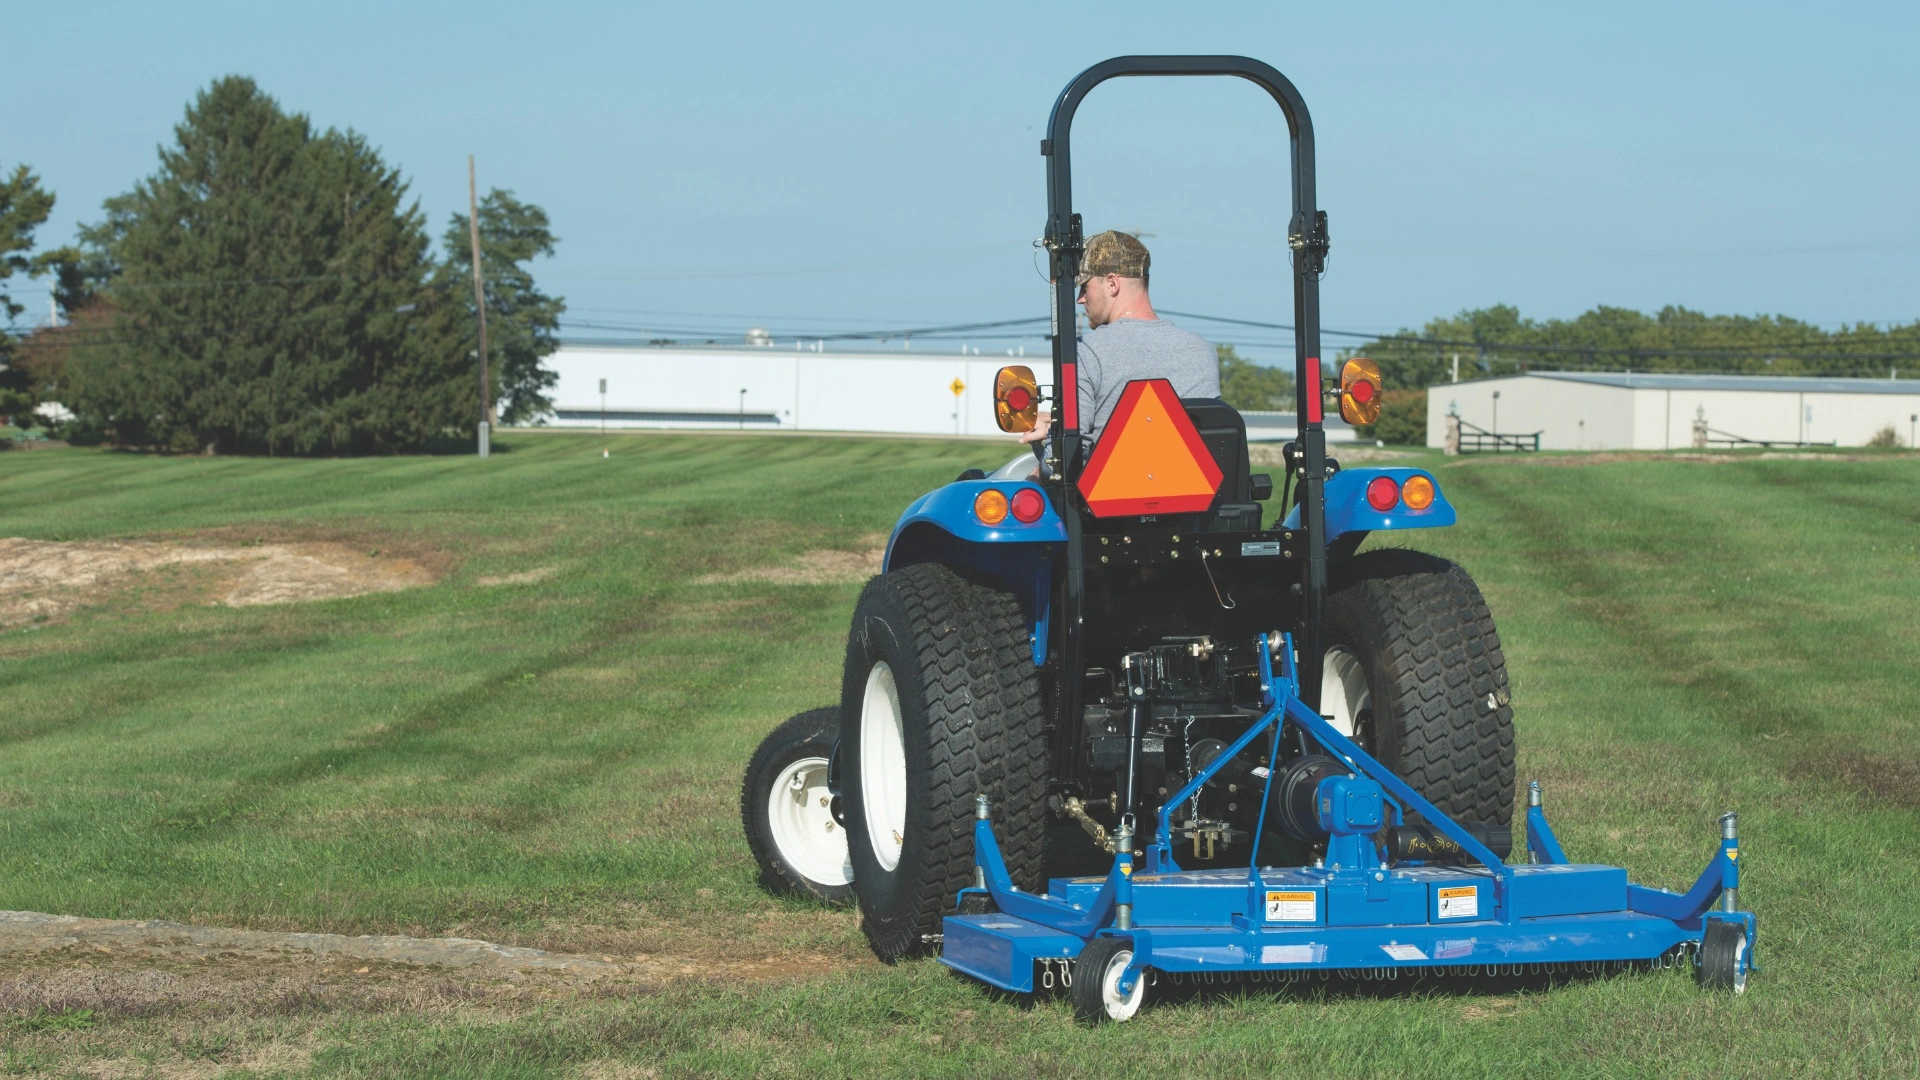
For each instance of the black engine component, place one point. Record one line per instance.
(1293, 794)
(1237, 771)
(1427, 844)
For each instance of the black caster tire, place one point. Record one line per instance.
(1723, 957)
(1096, 982)
(800, 849)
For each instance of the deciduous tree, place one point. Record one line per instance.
(522, 322)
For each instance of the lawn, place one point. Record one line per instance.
(543, 748)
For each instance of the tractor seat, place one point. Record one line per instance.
(1225, 433)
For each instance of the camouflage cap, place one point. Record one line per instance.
(1113, 252)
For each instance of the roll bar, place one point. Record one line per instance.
(1307, 237)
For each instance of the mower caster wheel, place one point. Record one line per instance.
(977, 904)
(1723, 956)
(1096, 982)
(787, 809)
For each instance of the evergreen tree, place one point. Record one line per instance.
(521, 320)
(24, 206)
(270, 293)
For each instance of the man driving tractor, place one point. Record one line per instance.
(1126, 340)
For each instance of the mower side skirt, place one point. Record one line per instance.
(1000, 949)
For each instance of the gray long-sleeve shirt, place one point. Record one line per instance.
(1128, 349)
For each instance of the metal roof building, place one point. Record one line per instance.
(1632, 411)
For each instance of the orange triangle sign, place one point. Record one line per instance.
(1149, 460)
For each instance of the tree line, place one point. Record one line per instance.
(1498, 340)
(272, 288)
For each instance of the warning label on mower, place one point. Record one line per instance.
(1459, 902)
(1404, 952)
(1291, 907)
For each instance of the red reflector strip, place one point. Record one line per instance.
(1069, 393)
(1313, 390)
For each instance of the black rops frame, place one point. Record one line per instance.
(1307, 237)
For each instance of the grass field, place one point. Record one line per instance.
(543, 748)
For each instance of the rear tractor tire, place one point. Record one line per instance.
(787, 810)
(940, 702)
(1414, 674)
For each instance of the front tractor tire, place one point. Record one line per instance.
(940, 702)
(786, 807)
(1414, 673)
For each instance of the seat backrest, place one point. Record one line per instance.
(1225, 433)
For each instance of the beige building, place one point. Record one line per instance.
(1632, 411)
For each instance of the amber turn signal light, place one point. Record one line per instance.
(1016, 399)
(1417, 493)
(1360, 391)
(990, 506)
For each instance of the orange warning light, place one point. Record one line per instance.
(1150, 459)
(1360, 391)
(1417, 492)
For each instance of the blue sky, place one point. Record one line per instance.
(803, 167)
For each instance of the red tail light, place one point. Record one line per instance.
(1383, 494)
(1028, 505)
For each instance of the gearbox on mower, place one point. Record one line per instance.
(1272, 755)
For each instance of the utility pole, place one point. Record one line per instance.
(603, 406)
(479, 304)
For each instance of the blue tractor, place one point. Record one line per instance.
(1104, 720)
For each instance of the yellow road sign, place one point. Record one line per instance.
(958, 388)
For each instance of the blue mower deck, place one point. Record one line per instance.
(1354, 912)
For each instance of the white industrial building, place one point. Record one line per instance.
(770, 388)
(1632, 411)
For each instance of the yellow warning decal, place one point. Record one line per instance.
(1459, 902)
(1733, 854)
(1291, 907)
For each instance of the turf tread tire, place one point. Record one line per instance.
(1442, 713)
(962, 658)
(809, 734)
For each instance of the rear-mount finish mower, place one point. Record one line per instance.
(1289, 758)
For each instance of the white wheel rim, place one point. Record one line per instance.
(883, 766)
(800, 814)
(1117, 1006)
(1740, 965)
(1344, 692)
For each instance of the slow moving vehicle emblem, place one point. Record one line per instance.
(1150, 459)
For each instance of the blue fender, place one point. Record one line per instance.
(1348, 509)
(940, 527)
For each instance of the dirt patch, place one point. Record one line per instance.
(822, 567)
(45, 579)
(768, 947)
(1888, 779)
